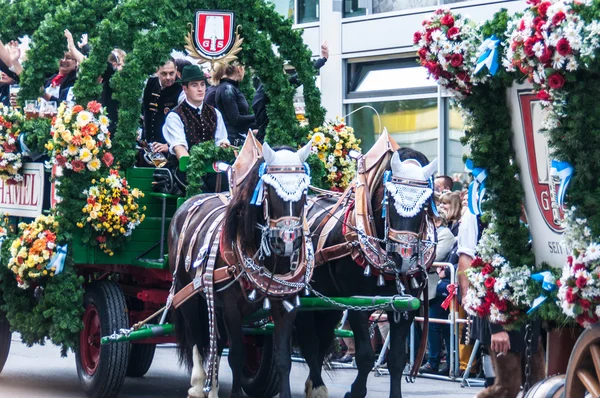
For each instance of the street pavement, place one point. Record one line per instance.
(40, 372)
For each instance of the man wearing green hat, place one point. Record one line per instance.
(193, 122)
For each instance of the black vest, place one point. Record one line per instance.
(157, 103)
(197, 127)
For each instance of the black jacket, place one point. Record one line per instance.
(65, 85)
(112, 105)
(211, 96)
(157, 103)
(232, 104)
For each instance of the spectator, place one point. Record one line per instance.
(260, 101)
(438, 332)
(443, 184)
(451, 206)
(181, 63)
(232, 103)
(114, 64)
(446, 240)
(161, 95)
(211, 92)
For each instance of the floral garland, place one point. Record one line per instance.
(32, 251)
(549, 44)
(80, 138)
(11, 122)
(112, 211)
(331, 143)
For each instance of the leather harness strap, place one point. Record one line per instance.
(219, 275)
(423, 345)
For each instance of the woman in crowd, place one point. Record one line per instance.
(450, 204)
(232, 103)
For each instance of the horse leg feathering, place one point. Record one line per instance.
(198, 376)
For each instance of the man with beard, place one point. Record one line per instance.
(161, 95)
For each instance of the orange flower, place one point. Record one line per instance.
(38, 246)
(77, 108)
(94, 106)
(90, 129)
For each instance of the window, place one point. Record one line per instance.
(284, 7)
(454, 150)
(352, 9)
(308, 11)
(396, 5)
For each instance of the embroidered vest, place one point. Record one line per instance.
(198, 127)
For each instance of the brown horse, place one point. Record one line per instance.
(386, 253)
(242, 255)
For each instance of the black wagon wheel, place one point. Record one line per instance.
(259, 376)
(583, 372)
(102, 368)
(5, 339)
(140, 359)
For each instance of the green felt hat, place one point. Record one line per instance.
(192, 73)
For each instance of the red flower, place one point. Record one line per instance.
(91, 201)
(447, 20)
(501, 305)
(428, 35)
(533, 2)
(558, 17)
(77, 108)
(115, 201)
(581, 282)
(9, 147)
(114, 172)
(453, 33)
(123, 219)
(489, 283)
(416, 37)
(108, 159)
(578, 267)
(569, 296)
(563, 47)
(546, 55)
(456, 60)
(463, 75)
(570, 260)
(477, 262)
(94, 106)
(488, 269)
(585, 304)
(77, 165)
(556, 81)
(543, 8)
(60, 159)
(543, 95)
(422, 53)
(101, 239)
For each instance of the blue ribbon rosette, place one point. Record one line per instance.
(563, 171)
(476, 187)
(489, 55)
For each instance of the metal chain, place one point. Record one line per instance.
(351, 307)
(528, 354)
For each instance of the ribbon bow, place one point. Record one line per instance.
(489, 56)
(451, 294)
(548, 282)
(563, 171)
(476, 187)
(58, 260)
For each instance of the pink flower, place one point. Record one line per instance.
(563, 47)
(94, 106)
(77, 165)
(556, 81)
(108, 159)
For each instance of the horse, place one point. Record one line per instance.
(242, 254)
(401, 191)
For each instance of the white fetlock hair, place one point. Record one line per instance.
(198, 376)
(320, 392)
(308, 384)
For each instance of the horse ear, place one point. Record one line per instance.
(304, 152)
(430, 169)
(396, 164)
(268, 154)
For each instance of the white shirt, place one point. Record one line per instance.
(468, 232)
(174, 131)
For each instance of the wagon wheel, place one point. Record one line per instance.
(140, 359)
(259, 376)
(5, 339)
(583, 373)
(101, 368)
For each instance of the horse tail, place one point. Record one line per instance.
(191, 328)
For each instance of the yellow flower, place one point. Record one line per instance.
(83, 118)
(339, 146)
(66, 136)
(49, 145)
(103, 120)
(318, 138)
(94, 164)
(85, 155)
(337, 153)
(72, 150)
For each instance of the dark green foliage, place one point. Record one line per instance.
(204, 155)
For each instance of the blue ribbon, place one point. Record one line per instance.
(548, 282)
(489, 56)
(258, 191)
(387, 176)
(432, 198)
(58, 260)
(476, 187)
(564, 172)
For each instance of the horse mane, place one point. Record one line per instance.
(242, 217)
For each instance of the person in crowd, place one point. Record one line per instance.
(450, 204)
(10, 69)
(211, 92)
(193, 122)
(232, 103)
(161, 95)
(438, 332)
(114, 63)
(506, 347)
(181, 63)
(59, 87)
(464, 201)
(260, 100)
(350, 346)
(443, 184)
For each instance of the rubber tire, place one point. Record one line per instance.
(265, 382)
(5, 340)
(140, 359)
(109, 376)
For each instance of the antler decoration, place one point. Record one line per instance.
(227, 58)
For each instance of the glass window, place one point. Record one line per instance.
(396, 5)
(388, 77)
(455, 166)
(351, 9)
(412, 123)
(308, 11)
(284, 7)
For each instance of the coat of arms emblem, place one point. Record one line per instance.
(214, 37)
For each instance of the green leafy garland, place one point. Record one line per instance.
(204, 154)
(20, 18)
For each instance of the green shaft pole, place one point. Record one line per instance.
(397, 302)
(144, 333)
(269, 328)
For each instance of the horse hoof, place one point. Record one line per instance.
(196, 392)
(320, 392)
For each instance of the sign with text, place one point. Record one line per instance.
(544, 215)
(25, 198)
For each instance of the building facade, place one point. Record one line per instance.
(372, 75)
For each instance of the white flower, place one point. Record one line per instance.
(592, 253)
